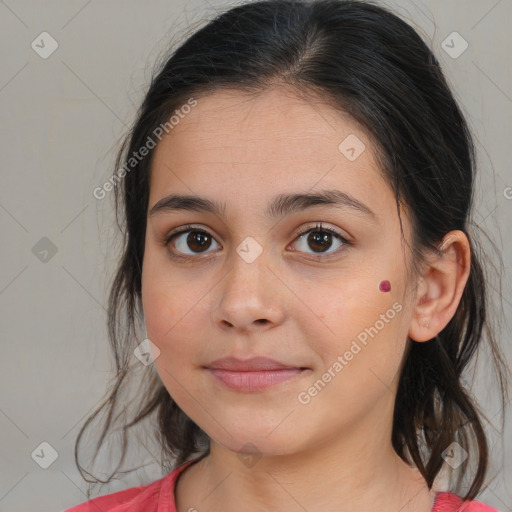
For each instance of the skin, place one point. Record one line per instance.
(333, 453)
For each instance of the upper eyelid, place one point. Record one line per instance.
(317, 225)
(346, 242)
(300, 232)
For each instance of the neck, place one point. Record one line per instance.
(357, 475)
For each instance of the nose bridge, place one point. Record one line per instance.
(248, 266)
(247, 293)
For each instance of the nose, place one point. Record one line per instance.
(249, 297)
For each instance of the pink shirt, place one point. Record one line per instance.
(159, 497)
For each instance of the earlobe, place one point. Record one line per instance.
(440, 288)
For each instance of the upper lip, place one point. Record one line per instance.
(247, 365)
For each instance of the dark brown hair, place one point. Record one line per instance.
(365, 61)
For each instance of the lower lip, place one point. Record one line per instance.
(254, 381)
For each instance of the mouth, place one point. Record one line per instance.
(253, 364)
(255, 380)
(253, 374)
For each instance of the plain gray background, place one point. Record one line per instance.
(62, 118)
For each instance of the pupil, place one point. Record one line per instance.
(199, 238)
(320, 238)
(316, 237)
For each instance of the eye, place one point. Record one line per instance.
(321, 238)
(197, 240)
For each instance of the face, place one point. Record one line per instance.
(250, 280)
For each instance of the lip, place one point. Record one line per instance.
(253, 374)
(253, 364)
(255, 381)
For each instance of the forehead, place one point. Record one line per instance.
(256, 145)
(234, 117)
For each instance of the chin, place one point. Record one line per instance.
(257, 445)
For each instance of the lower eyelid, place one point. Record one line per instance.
(170, 238)
(336, 235)
(187, 229)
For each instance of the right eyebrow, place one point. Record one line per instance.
(280, 206)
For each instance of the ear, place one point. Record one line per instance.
(440, 287)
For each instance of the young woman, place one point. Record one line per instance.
(297, 195)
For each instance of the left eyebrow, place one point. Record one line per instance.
(281, 205)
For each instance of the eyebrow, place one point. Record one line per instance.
(281, 205)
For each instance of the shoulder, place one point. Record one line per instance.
(119, 501)
(449, 502)
(154, 497)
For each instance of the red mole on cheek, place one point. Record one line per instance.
(385, 286)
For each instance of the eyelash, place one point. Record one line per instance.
(188, 228)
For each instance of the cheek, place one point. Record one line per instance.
(360, 362)
(360, 322)
(174, 313)
(171, 325)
